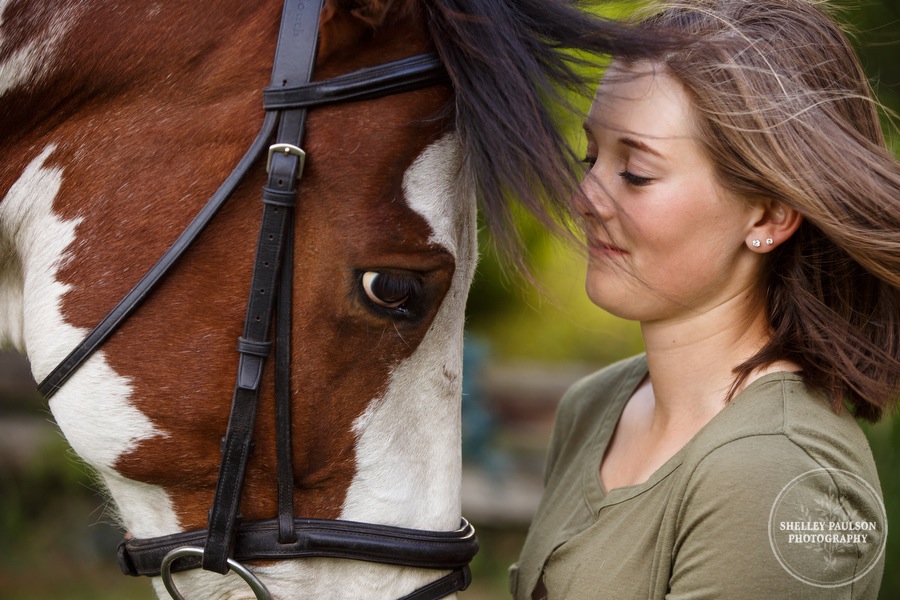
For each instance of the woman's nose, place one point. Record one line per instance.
(593, 198)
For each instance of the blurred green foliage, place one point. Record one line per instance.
(47, 505)
(56, 540)
(885, 441)
(557, 322)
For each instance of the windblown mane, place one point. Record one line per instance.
(509, 64)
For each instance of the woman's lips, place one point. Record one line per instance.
(597, 247)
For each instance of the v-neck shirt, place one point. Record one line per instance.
(701, 526)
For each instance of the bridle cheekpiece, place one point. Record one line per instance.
(228, 542)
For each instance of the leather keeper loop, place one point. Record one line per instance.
(246, 346)
(279, 198)
(404, 75)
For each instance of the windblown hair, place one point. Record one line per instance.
(510, 62)
(785, 112)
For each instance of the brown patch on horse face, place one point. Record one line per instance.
(141, 163)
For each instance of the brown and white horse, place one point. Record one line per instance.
(118, 120)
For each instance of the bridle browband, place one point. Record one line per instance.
(228, 541)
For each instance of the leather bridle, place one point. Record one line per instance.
(227, 542)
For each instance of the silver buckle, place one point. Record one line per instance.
(166, 571)
(287, 149)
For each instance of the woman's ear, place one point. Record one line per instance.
(774, 223)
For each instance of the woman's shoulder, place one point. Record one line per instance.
(781, 476)
(601, 388)
(781, 406)
(589, 407)
(795, 513)
(775, 433)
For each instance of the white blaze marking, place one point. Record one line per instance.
(408, 444)
(92, 408)
(33, 60)
(408, 449)
(409, 441)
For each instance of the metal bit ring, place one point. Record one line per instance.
(166, 572)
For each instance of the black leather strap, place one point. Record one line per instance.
(285, 537)
(293, 65)
(395, 77)
(133, 299)
(404, 75)
(258, 540)
(283, 446)
(455, 581)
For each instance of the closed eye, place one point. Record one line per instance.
(635, 180)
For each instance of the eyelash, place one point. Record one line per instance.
(629, 177)
(633, 179)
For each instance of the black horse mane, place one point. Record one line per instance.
(509, 65)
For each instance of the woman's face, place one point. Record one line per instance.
(665, 241)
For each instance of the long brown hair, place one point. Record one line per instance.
(511, 63)
(784, 109)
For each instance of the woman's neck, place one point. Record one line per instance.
(692, 360)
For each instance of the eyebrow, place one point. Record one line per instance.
(639, 145)
(587, 125)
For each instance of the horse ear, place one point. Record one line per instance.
(328, 10)
(370, 12)
(337, 27)
(344, 21)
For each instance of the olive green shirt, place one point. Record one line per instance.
(776, 497)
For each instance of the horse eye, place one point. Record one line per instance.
(390, 290)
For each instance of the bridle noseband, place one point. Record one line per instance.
(227, 542)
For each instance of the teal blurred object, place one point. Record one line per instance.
(478, 424)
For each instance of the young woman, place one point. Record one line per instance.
(741, 204)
